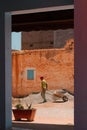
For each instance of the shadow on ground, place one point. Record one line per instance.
(33, 126)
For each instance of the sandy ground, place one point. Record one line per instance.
(54, 111)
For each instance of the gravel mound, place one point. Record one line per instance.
(35, 98)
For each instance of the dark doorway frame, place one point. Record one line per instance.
(5, 32)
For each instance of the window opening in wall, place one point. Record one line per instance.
(30, 74)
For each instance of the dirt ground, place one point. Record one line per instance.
(54, 111)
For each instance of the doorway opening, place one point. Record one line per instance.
(47, 48)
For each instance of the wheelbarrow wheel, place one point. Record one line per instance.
(65, 98)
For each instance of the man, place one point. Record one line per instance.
(44, 88)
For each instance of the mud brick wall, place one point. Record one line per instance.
(56, 65)
(37, 40)
(46, 39)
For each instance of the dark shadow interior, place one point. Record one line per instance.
(33, 126)
(53, 20)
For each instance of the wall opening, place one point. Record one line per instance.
(52, 59)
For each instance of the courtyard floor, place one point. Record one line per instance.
(49, 115)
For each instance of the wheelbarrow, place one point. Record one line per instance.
(58, 96)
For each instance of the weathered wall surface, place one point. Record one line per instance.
(61, 36)
(56, 65)
(46, 39)
(37, 39)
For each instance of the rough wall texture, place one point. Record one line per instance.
(61, 36)
(46, 39)
(37, 39)
(56, 65)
